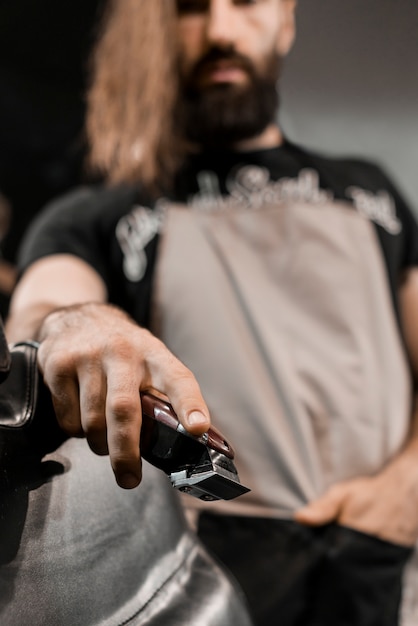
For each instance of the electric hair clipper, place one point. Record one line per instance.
(202, 467)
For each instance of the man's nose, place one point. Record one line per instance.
(221, 24)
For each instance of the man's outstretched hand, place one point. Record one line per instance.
(95, 360)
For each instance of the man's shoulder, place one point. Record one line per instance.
(346, 170)
(86, 206)
(94, 197)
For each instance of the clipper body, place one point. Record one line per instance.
(202, 466)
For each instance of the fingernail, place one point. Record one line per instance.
(128, 481)
(196, 418)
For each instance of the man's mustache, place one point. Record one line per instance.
(215, 55)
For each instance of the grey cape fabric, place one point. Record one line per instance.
(77, 549)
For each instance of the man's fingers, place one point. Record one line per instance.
(175, 380)
(64, 393)
(188, 403)
(195, 420)
(189, 406)
(123, 416)
(93, 409)
(61, 380)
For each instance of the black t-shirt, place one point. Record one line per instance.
(84, 223)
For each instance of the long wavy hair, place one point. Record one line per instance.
(132, 93)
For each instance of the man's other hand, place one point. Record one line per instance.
(385, 505)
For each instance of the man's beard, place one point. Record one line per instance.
(223, 114)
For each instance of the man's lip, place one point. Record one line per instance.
(223, 71)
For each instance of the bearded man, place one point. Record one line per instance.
(256, 284)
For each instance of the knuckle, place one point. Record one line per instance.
(53, 364)
(70, 426)
(123, 407)
(93, 423)
(57, 364)
(122, 346)
(124, 443)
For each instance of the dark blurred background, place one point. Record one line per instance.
(44, 45)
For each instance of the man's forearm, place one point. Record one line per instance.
(50, 283)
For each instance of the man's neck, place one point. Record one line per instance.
(271, 137)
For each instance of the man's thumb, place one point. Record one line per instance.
(321, 511)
